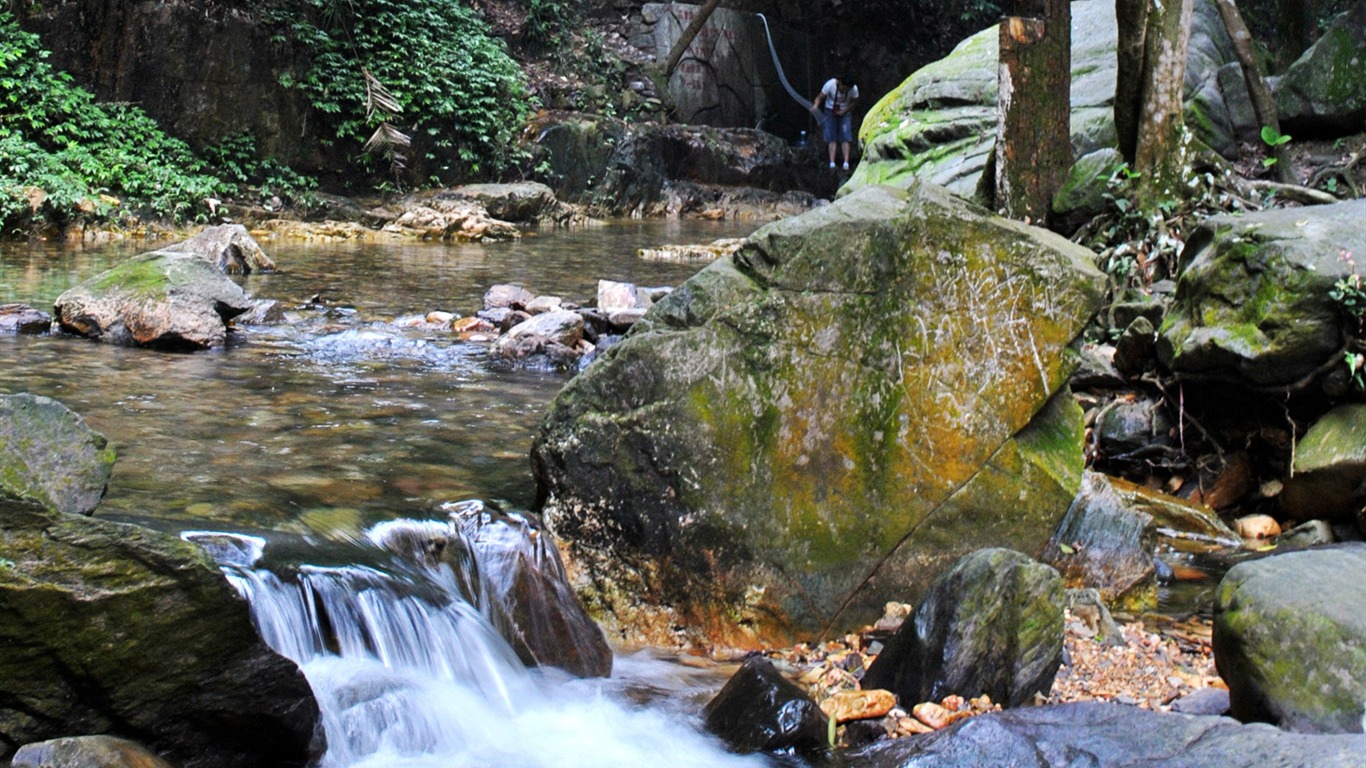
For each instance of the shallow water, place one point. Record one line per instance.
(337, 419)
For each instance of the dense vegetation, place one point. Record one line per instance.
(419, 83)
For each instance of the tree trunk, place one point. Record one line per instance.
(1262, 103)
(1133, 27)
(1295, 21)
(1033, 139)
(689, 34)
(1159, 137)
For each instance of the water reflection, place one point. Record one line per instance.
(335, 420)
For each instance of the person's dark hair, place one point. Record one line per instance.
(846, 79)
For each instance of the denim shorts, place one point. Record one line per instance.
(839, 128)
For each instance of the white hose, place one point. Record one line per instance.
(782, 78)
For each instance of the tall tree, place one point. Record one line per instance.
(1153, 41)
(1033, 139)
(1262, 103)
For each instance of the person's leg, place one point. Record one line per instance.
(846, 131)
(832, 154)
(830, 127)
(846, 155)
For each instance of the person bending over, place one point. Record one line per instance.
(837, 97)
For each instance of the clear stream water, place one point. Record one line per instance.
(306, 435)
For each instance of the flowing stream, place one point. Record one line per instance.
(311, 433)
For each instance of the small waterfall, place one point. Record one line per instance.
(407, 672)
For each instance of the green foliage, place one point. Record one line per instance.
(458, 94)
(63, 155)
(236, 160)
(547, 21)
(1272, 138)
(1350, 297)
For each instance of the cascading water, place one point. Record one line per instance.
(407, 672)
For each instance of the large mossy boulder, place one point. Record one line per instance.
(1290, 639)
(162, 299)
(112, 628)
(940, 123)
(1104, 735)
(1328, 467)
(992, 624)
(1253, 303)
(825, 420)
(49, 456)
(1323, 93)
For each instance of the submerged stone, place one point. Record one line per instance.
(826, 420)
(49, 456)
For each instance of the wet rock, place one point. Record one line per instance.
(759, 710)
(21, 318)
(262, 312)
(1103, 543)
(1257, 527)
(524, 202)
(229, 247)
(1329, 467)
(549, 626)
(1252, 306)
(695, 252)
(1174, 516)
(507, 297)
(992, 624)
(86, 752)
(830, 378)
(1321, 92)
(1295, 656)
(555, 334)
(542, 304)
(445, 219)
(161, 299)
(118, 629)
(49, 456)
(1131, 426)
(1103, 735)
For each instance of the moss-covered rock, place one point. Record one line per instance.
(1252, 305)
(112, 628)
(827, 419)
(992, 624)
(940, 124)
(1329, 467)
(1323, 93)
(50, 457)
(161, 299)
(1290, 639)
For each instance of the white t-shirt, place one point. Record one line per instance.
(833, 97)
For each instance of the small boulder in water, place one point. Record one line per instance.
(509, 296)
(554, 334)
(86, 752)
(759, 710)
(21, 318)
(49, 456)
(229, 247)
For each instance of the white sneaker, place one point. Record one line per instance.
(846, 166)
(832, 163)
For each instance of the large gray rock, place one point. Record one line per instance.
(1323, 92)
(86, 752)
(1252, 305)
(161, 299)
(992, 624)
(50, 457)
(523, 202)
(1290, 639)
(1103, 543)
(112, 628)
(1099, 735)
(940, 124)
(230, 247)
(829, 418)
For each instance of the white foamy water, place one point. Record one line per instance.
(411, 675)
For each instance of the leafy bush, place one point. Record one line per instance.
(63, 155)
(458, 95)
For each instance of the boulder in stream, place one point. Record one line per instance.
(1104, 735)
(230, 247)
(826, 420)
(992, 624)
(49, 456)
(1290, 639)
(759, 710)
(113, 628)
(21, 318)
(162, 299)
(86, 752)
